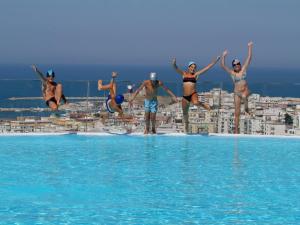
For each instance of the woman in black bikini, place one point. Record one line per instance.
(52, 91)
(190, 78)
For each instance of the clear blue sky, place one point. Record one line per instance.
(148, 32)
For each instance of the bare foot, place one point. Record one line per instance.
(248, 113)
(99, 84)
(146, 131)
(207, 107)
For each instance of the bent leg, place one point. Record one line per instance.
(196, 102)
(245, 100)
(237, 111)
(58, 93)
(103, 87)
(185, 110)
(115, 107)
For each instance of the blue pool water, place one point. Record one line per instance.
(149, 180)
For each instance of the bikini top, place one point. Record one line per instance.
(189, 79)
(237, 79)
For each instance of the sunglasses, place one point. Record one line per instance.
(236, 64)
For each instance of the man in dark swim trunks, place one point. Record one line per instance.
(52, 91)
(114, 101)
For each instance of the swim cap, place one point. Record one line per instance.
(50, 73)
(153, 76)
(119, 99)
(191, 63)
(235, 62)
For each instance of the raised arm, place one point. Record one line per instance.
(249, 57)
(199, 72)
(137, 91)
(223, 62)
(174, 98)
(39, 73)
(179, 71)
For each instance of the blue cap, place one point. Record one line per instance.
(191, 63)
(119, 99)
(50, 73)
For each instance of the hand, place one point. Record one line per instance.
(250, 44)
(225, 53)
(217, 59)
(114, 74)
(34, 67)
(174, 61)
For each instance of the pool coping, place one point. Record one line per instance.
(143, 135)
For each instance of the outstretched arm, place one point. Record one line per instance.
(168, 91)
(199, 72)
(137, 91)
(223, 62)
(179, 71)
(39, 73)
(249, 57)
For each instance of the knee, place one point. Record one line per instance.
(196, 102)
(54, 107)
(59, 86)
(153, 116)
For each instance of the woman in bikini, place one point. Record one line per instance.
(190, 95)
(241, 90)
(52, 91)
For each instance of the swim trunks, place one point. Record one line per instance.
(151, 105)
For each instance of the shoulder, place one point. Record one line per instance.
(231, 72)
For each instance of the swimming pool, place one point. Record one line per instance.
(74, 179)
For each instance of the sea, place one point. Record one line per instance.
(18, 81)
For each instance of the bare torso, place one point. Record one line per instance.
(240, 86)
(189, 87)
(151, 89)
(49, 90)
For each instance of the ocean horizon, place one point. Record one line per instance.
(265, 81)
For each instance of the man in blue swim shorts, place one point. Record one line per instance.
(150, 103)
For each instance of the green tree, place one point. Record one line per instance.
(288, 119)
